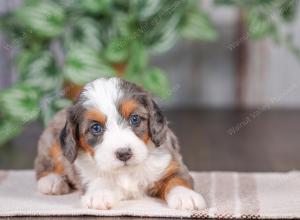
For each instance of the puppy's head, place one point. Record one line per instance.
(115, 123)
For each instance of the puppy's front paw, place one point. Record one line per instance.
(53, 184)
(183, 198)
(98, 200)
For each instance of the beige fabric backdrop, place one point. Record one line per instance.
(228, 194)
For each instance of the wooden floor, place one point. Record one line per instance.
(261, 141)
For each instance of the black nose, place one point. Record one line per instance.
(124, 154)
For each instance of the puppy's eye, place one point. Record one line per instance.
(96, 128)
(134, 120)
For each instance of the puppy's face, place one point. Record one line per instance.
(115, 123)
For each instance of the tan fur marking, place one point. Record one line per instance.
(56, 154)
(168, 181)
(127, 108)
(95, 115)
(86, 147)
(146, 137)
(175, 181)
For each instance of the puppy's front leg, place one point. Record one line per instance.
(179, 195)
(99, 195)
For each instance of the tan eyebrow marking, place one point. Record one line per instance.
(95, 115)
(127, 107)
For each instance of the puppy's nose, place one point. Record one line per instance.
(124, 154)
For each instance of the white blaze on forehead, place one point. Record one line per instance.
(103, 94)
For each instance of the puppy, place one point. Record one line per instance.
(114, 144)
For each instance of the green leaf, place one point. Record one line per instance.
(123, 25)
(20, 103)
(157, 82)
(40, 71)
(133, 77)
(85, 31)
(288, 10)
(145, 8)
(84, 65)
(61, 103)
(198, 26)
(160, 33)
(117, 51)
(259, 25)
(224, 2)
(96, 6)
(164, 42)
(8, 130)
(138, 58)
(23, 61)
(45, 18)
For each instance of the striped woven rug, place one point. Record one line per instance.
(228, 194)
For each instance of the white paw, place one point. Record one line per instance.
(183, 198)
(98, 200)
(53, 184)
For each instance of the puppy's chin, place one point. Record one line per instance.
(123, 167)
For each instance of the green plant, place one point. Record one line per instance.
(77, 41)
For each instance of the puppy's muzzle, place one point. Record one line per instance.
(124, 154)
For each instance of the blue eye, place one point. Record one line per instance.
(134, 120)
(96, 128)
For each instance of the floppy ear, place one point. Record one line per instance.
(69, 136)
(68, 143)
(157, 124)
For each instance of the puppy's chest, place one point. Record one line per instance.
(134, 185)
